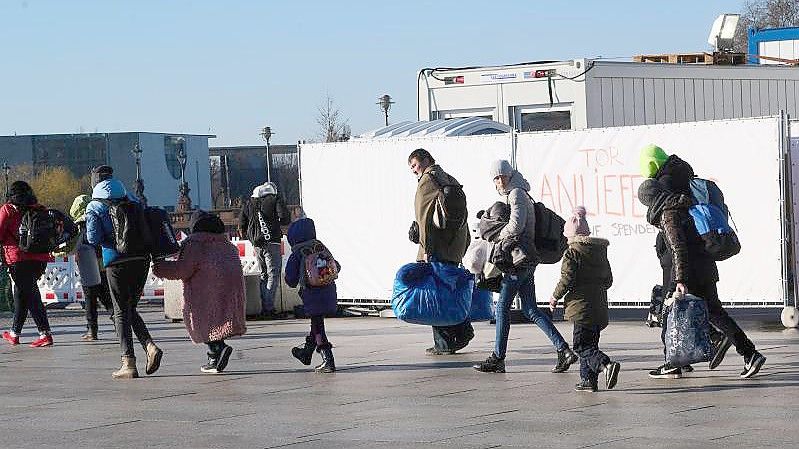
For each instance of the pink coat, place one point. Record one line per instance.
(213, 288)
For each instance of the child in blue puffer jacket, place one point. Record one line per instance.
(318, 293)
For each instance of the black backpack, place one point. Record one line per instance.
(165, 241)
(132, 236)
(550, 243)
(38, 231)
(450, 207)
(257, 229)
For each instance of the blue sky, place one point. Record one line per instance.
(231, 67)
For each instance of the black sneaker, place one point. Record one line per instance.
(224, 357)
(752, 365)
(612, 374)
(210, 367)
(491, 365)
(434, 351)
(719, 351)
(666, 371)
(687, 369)
(586, 386)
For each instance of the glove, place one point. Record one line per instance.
(413, 233)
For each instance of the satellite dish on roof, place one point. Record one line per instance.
(723, 31)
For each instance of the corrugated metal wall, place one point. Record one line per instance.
(623, 101)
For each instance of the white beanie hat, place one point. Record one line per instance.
(501, 167)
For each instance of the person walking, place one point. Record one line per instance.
(127, 274)
(585, 277)
(213, 289)
(317, 300)
(514, 189)
(24, 267)
(667, 195)
(93, 279)
(260, 222)
(445, 245)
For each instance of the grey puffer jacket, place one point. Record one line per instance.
(521, 225)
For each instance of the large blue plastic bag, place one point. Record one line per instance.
(433, 294)
(688, 332)
(482, 305)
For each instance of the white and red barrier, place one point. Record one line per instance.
(61, 281)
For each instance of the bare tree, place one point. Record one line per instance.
(760, 14)
(334, 127)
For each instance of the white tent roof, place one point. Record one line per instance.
(469, 126)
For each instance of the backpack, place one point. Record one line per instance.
(449, 210)
(258, 229)
(710, 216)
(132, 236)
(165, 242)
(550, 243)
(320, 268)
(38, 231)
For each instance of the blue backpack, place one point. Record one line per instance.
(710, 216)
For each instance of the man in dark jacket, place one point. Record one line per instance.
(260, 222)
(668, 197)
(442, 245)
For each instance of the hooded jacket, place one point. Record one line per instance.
(315, 300)
(669, 212)
(521, 224)
(274, 211)
(213, 287)
(99, 229)
(444, 245)
(585, 277)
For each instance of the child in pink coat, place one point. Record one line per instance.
(213, 288)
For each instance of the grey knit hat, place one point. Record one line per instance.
(501, 167)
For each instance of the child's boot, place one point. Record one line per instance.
(565, 358)
(328, 364)
(304, 353)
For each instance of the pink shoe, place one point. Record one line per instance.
(7, 337)
(42, 341)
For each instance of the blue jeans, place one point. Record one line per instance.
(586, 344)
(270, 261)
(522, 283)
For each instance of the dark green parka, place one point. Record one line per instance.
(585, 277)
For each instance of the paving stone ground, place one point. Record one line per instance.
(387, 393)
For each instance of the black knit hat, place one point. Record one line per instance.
(202, 221)
(101, 173)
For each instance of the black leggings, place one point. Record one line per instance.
(318, 331)
(26, 274)
(94, 294)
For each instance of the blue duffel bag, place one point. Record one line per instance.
(688, 332)
(482, 305)
(433, 294)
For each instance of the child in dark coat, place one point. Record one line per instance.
(318, 301)
(585, 279)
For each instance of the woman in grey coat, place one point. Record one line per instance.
(512, 186)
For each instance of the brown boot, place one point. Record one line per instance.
(154, 354)
(127, 370)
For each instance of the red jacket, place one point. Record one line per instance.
(10, 218)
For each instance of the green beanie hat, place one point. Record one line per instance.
(651, 159)
(78, 209)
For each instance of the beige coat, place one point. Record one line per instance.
(443, 244)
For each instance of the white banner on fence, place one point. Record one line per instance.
(598, 168)
(360, 195)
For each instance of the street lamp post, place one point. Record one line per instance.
(6, 169)
(385, 104)
(184, 202)
(266, 134)
(139, 181)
